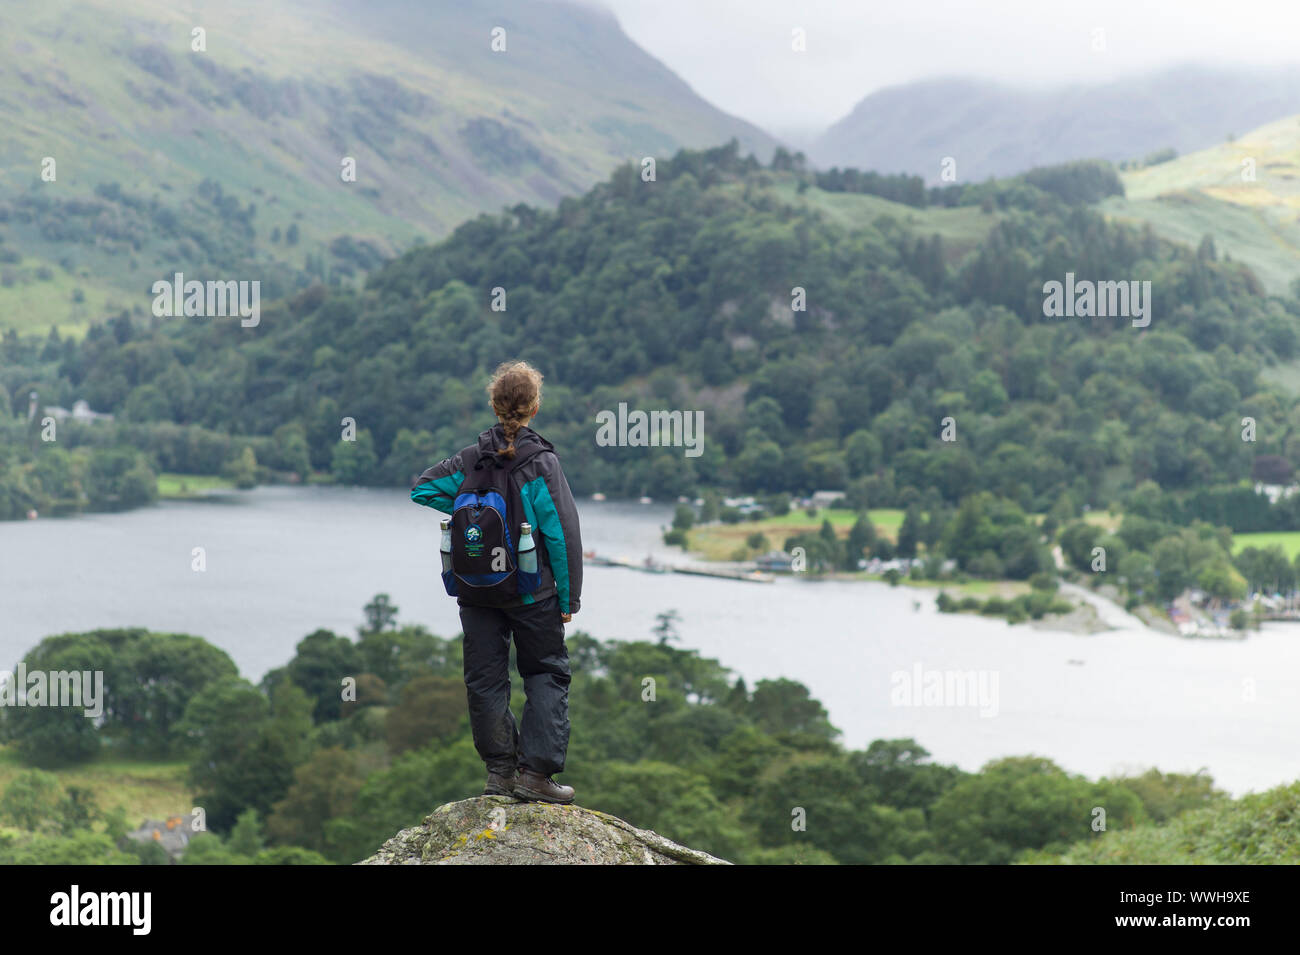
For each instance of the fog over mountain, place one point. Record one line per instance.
(993, 129)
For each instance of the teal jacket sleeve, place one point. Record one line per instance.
(437, 487)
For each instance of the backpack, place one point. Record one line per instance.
(484, 529)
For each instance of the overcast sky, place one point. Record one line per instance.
(737, 53)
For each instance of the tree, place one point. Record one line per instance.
(1169, 560)
(246, 836)
(431, 708)
(909, 533)
(901, 775)
(786, 708)
(380, 613)
(673, 801)
(861, 537)
(1022, 803)
(320, 663)
(243, 470)
(400, 796)
(48, 736)
(240, 762)
(324, 788)
(861, 453)
(396, 655)
(1138, 572)
(32, 801)
(841, 815)
(683, 517)
(1166, 795)
(1077, 541)
(78, 810)
(1220, 581)
(1271, 469)
(353, 462)
(665, 629)
(154, 677)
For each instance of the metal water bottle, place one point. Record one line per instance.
(527, 549)
(446, 544)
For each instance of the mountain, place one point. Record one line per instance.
(498, 830)
(229, 161)
(993, 129)
(1244, 194)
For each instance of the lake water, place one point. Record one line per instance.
(282, 562)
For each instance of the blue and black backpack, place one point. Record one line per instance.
(485, 522)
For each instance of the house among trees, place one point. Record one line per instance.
(1275, 492)
(80, 412)
(824, 498)
(776, 562)
(171, 833)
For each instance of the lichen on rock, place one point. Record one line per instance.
(501, 830)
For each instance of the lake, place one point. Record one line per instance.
(282, 562)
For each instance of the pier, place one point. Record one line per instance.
(650, 566)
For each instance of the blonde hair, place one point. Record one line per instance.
(514, 392)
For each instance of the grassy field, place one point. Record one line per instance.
(1211, 192)
(962, 228)
(1104, 519)
(1285, 376)
(1289, 541)
(188, 486)
(973, 588)
(723, 541)
(145, 789)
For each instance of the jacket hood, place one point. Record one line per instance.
(495, 437)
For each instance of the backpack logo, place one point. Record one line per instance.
(473, 541)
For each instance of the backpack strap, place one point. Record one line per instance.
(471, 460)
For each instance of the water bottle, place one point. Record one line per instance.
(527, 549)
(446, 544)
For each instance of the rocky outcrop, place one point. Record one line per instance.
(500, 830)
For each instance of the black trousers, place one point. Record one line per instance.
(541, 742)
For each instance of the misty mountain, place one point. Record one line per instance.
(997, 130)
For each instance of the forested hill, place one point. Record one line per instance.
(677, 293)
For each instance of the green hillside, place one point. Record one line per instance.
(227, 162)
(1204, 193)
(1258, 829)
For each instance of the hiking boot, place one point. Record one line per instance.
(538, 788)
(500, 784)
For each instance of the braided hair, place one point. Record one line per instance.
(514, 392)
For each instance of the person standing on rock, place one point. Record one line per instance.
(512, 556)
